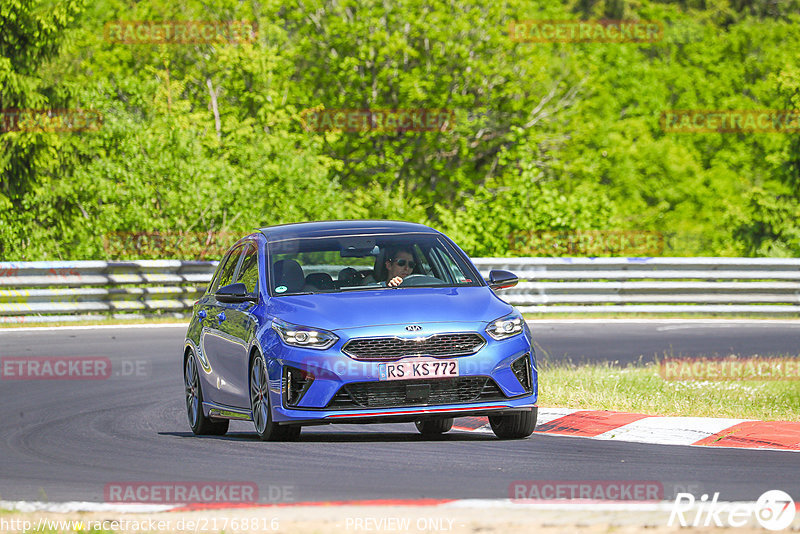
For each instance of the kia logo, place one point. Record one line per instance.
(413, 328)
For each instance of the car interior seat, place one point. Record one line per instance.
(317, 281)
(289, 273)
(349, 277)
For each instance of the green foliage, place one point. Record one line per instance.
(416, 55)
(30, 34)
(544, 136)
(486, 222)
(772, 228)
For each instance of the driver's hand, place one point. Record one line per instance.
(394, 282)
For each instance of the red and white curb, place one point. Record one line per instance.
(657, 430)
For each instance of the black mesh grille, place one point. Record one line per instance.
(522, 370)
(295, 384)
(392, 348)
(399, 393)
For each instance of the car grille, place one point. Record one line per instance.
(392, 348)
(399, 393)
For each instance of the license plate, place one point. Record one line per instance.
(414, 369)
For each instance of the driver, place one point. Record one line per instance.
(400, 263)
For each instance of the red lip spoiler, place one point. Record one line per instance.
(409, 412)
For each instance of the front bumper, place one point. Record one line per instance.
(334, 372)
(400, 415)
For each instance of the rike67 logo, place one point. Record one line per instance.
(774, 510)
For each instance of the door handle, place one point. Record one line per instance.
(221, 316)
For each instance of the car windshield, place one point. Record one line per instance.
(364, 262)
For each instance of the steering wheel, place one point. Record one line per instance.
(418, 280)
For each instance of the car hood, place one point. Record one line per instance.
(335, 311)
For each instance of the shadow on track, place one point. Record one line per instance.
(345, 437)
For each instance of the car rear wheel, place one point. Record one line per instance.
(434, 427)
(201, 425)
(266, 428)
(514, 426)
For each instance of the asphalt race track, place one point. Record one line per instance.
(627, 341)
(64, 440)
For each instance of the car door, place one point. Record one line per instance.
(215, 342)
(237, 325)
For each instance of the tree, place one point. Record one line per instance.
(31, 35)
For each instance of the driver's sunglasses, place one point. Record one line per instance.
(402, 263)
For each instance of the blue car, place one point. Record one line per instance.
(356, 322)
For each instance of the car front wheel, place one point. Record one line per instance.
(514, 426)
(201, 425)
(266, 428)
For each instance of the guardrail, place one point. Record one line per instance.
(651, 285)
(76, 290)
(68, 291)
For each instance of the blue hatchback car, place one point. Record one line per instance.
(356, 322)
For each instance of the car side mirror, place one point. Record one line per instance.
(233, 293)
(502, 279)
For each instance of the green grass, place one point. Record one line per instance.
(640, 389)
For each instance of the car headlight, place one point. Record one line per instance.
(505, 327)
(304, 336)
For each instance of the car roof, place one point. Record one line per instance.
(344, 227)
